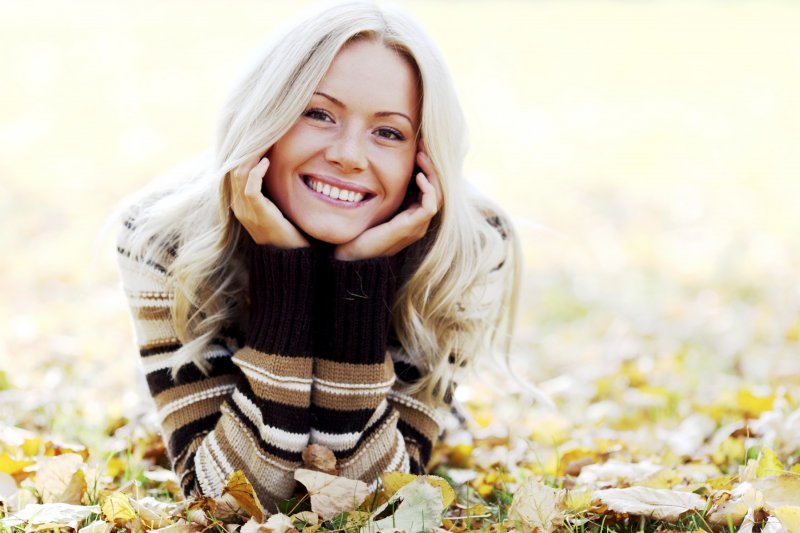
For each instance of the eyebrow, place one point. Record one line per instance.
(378, 114)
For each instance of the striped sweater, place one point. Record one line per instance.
(311, 367)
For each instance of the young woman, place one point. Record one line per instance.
(321, 277)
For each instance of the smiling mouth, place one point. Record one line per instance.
(335, 193)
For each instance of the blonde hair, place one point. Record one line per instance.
(437, 316)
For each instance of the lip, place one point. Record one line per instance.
(333, 182)
(341, 184)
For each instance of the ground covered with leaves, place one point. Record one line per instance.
(646, 155)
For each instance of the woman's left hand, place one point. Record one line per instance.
(406, 227)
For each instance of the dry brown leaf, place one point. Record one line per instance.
(330, 495)
(535, 507)
(661, 504)
(320, 458)
(277, 523)
(242, 491)
(56, 480)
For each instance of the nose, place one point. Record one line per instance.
(347, 150)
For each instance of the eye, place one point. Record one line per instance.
(318, 114)
(390, 133)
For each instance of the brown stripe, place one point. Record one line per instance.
(154, 313)
(329, 400)
(277, 364)
(354, 373)
(156, 343)
(374, 455)
(181, 391)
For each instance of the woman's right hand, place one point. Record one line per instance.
(260, 217)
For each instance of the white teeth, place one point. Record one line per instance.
(334, 192)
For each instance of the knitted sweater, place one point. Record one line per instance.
(311, 367)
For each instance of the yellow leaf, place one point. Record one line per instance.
(461, 456)
(394, 481)
(30, 446)
(9, 465)
(115, 467)
(578, 500)
(789, 517)
(117, 509)
(754, 405)
(729, 451)
(769, 464)
(448, 494)
(795, 469)
(534, 507)
(476, 510)
(722, 482)
(242, 491)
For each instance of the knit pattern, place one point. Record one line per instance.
(312, 367)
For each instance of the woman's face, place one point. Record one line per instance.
(345, 165)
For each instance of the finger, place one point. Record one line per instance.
(426, 164)
(429, 200)
(255, 178)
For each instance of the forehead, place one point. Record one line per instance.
(370, 76)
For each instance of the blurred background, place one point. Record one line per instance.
(646, 150)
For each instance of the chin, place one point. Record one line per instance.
(330, 235)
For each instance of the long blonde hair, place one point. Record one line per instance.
(449, 309)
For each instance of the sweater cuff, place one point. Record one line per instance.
(281, 300)
(362, 295)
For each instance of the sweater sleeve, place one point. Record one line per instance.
(250, 410)
(356, 411)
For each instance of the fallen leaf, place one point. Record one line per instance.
(734, 505)
(533, 507)
(308, 517)
(330, 495)
(242, 491)
(98, 526)
(57, 479)
(789, 517)
(661, 504)
(277, 523)
(769, 464)
(415, 507)
(62, 514)
(153, 513)
(320, 458)
(117, 509)
(181, 526)
(394, 481)
(779, 491)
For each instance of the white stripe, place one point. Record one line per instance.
(264, 376)
(227, 468)
(400, 459)
(168, 409)
(405, 399)
(208, 471)
(293, 442)
(336, 442)
(346, 391)
(345, 385)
